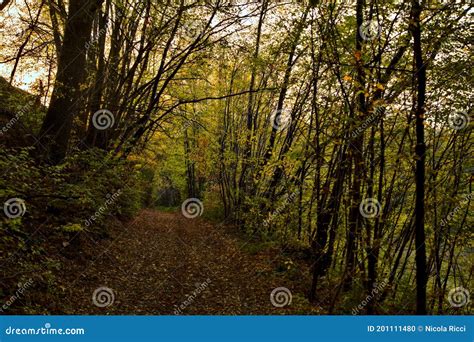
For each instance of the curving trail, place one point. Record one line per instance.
(164, 263)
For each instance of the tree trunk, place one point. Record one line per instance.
(65, 102)
(243, 182)
(356, 154)
(420, 256)
(95, 137)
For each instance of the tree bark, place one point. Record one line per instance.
(65, 102)
(95, 137)
(4, 4)
(356, 154)
(420, 257)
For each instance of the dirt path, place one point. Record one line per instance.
(164, 263)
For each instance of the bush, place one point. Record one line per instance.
(48, 206)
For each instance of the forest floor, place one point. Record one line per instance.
(155, 262)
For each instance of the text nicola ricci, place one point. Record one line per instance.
(420, 328)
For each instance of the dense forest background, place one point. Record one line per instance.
(313, 156)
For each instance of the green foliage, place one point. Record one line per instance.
(72, 191)
(72, 228)
(78, 196)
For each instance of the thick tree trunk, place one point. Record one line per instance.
(65, 102)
